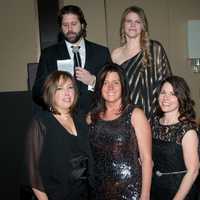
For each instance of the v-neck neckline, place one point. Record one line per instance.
(66, 130)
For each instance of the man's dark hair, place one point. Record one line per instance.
(75, 10)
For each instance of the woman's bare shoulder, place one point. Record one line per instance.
(116, 55)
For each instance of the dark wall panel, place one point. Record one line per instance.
(48, 28)
(16, 113)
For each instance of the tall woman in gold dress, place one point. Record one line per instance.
(144, 60)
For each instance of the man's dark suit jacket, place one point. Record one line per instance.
(96, 57)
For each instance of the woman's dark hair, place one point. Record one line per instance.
(99, 102)
(50, 86)
(75, 10)
(183, 94)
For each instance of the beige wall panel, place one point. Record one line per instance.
(156, 12)
(19, 43)
(95, 16)
(179, 15)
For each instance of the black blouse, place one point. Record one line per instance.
(58, 163)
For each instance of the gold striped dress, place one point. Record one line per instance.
(144, 80)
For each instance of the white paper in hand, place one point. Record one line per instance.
(66, 65)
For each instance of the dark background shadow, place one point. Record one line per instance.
(16, 113)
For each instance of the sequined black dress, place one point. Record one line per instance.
(117, 170)
(168, 158)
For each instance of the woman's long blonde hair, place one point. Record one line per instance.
(144, 39)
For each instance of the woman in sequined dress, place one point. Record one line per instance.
(120, 139)
(175, 143)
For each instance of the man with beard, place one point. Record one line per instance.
(92, 56)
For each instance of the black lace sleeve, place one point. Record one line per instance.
(34, 143)
(187, 126)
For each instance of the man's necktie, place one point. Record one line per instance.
(77, 58)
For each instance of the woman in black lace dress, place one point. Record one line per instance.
(120, 139)
(175, 143)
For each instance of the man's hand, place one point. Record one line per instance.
(84, 76)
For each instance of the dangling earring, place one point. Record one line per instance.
(51, 108)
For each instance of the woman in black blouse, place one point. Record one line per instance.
(175, 143)
(57, 151)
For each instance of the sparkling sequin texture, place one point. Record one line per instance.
(116, 169)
